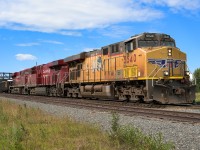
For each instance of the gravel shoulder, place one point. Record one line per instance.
(185, 136)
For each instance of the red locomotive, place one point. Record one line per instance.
(45, 79)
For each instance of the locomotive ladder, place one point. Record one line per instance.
(155, 73)
(64, 78)
(60, 85)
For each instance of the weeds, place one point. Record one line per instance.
(27, 128)
(24, 128)
(18, 135)
(115, 123)
(197, 98)
(130, 137)
(3, 116)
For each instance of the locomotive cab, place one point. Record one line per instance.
(162, 66)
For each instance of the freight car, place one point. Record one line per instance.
(145, 67)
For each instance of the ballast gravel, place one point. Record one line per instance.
(184, 135)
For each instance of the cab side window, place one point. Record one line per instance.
(115, 48)
(105, 51)
(131, 45)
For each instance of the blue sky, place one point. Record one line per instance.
(46, 30)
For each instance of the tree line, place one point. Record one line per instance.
(197, 77)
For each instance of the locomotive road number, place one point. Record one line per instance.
(130, 59)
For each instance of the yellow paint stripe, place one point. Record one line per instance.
(150, 78)
(140, 78)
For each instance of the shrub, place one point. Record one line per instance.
(130, 137)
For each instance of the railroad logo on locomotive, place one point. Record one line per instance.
(165, 62)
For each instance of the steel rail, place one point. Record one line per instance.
(129, 110)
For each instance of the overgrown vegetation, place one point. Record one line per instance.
(24, 128)
(197, 77)
(131, 138)
(197, 97)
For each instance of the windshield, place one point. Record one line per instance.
(155, 43)
(148, 43)
(165, 43)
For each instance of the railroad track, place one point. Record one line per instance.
(114, 107)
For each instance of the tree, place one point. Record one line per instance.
(197, 76)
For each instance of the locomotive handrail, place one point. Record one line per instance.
(156, 74)
(65, 77)
(153, 70)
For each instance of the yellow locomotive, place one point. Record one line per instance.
(144, 67)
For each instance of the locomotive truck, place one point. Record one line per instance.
(146, 67)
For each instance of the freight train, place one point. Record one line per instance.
(146, 67)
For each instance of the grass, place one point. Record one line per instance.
(23, 128)
(132, 138)
(197, 97)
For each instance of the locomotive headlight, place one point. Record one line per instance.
(166, 73)
(169, 52)
(187, 73)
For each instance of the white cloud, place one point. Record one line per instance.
(183, 4)
(39, 43)
(65, 16)
(68, 17)
(70, 33)
(52, 42)
(117, 31)
(27, 44)
(191, 5)
(22, 57)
